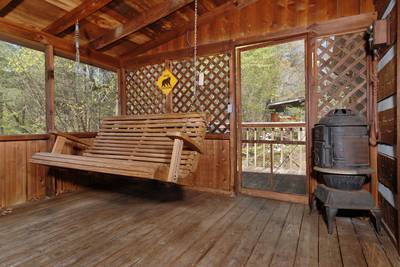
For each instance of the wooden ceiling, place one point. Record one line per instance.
(113, 29)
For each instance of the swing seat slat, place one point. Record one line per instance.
(163, 147)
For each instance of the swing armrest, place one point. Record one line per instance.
(71, 138)
(189, 142)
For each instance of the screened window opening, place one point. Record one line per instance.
(84, 95)
(22, 90)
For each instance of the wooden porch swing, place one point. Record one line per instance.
(163, 147)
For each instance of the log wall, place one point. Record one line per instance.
(387, 161)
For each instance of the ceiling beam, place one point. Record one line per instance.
(82, 11)
(139, 22)
(6, 6)
(4, 3)
(182, 29)
(19, 34)
(202, 50)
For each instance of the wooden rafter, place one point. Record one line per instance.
(174, 33)
(82, 11)
(6, 6)
(38, 39)
(4, 3)
(137, 23)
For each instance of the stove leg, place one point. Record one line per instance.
(330, 216)
(313, 203)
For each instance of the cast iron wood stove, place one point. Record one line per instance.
(341, 160)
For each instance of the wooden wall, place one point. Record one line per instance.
(387, 116)
(267, 16)
(213, 172)
(21, 181)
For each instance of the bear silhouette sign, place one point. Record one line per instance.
(167, 82)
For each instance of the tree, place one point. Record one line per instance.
(269, 74)
(81, 99)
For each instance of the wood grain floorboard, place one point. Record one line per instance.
(194, 253)
(372, 248)
(144, 228)
(263, 252)
(108, 235)
(285, 252)
(307, 249)
(328, 246)
(140, 249)
(231, 236)
(187, 236)
(389, 248)
(350, 248)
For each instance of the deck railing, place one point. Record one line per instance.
(274, 147)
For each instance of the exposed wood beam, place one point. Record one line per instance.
(174, 33)
(207, 49)
(4, 3)
(137, 23)
(80, 12)
(244, 3)
(6, 6)
(30, 37)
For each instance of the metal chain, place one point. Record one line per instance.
(77, 54)
(77, 44)
(195, 53)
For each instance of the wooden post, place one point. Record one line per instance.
(272, 150)
(168, 98)
(263, 145)
(50, 181)
(398, 122)
(50, 88)
(122, 101)
(282, 146)
(255, 148)
(233, 137)
(247, 147)
(290, 153)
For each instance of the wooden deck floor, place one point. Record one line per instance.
(115, 229)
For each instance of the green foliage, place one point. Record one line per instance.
(83, 97)
(22, 94)
(81, 100)
(271, 74)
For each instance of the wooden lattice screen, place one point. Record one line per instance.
(341, 73)
(141, 93)
(143, 96)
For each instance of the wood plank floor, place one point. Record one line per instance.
(104, 228)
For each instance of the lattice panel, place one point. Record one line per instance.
(342, 73)
(212, 97)
(143, 96)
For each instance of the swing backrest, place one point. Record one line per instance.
(143, 138)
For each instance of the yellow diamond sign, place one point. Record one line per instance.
(167, 82)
